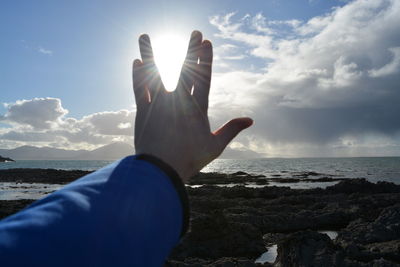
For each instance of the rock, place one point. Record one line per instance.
(222, 178)
(9, 207)
(349, 186)
(385, 228)
(308, 248)
(48, 176)
(223, 262)
(239, 173)
(214, 236)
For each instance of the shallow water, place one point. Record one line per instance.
(15, 191)
(332, 234)
(272, 251)
(86, 165)
(268, 256)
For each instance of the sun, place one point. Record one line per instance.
(169, 53)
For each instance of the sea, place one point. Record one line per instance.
(373, 169)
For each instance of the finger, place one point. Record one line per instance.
(228, 131)
(146, 51)
(188, 72)
(139, 84)
(153, 79)
(203, 78)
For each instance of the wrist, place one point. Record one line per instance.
(176, 181)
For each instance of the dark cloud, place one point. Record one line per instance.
(330, 79)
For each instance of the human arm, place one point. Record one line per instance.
(131, 212)
(112, 217)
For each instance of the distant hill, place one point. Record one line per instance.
(5, 159)
(108, 152)
(230, 153)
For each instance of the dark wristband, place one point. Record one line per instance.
(178, 184)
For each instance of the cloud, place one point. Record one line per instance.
(334, 77)
(45, 51)
(328, 86)
(43, 121)
(391, 67)
(39, 113)
(111, 122)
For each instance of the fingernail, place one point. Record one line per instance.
(207, 43)
(144, 38)
(196, 34)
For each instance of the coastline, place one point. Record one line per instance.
(234, 225)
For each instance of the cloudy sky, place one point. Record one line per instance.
(319, 77)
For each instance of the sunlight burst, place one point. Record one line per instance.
(169, 54)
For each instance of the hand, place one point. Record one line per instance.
(173, 126)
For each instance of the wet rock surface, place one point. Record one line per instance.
(232, 226)
(47, 176)
(232, 223)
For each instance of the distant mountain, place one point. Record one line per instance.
(5, 159)
(108, 152)
(230, 153)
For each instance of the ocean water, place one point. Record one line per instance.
(86, 165)
(373, 169)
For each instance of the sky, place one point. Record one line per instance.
(319, 77)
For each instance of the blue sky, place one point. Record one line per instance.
(319, 76)
(81, 51)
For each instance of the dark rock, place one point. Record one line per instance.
(308, 248)
(223, 262)
(222, 178)
(239, 173)
(214, 236)
(349, 186)
(385, 228)
(9, 207)
(48, 176)
(306, 174)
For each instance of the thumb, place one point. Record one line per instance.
(228, 131)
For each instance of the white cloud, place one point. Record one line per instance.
(332, 76)
(43, 121)
(45, 51)
(39, 113)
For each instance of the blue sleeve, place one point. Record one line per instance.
(126, 214)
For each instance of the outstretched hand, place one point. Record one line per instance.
(173, 126)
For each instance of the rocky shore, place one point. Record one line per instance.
(235, 225)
